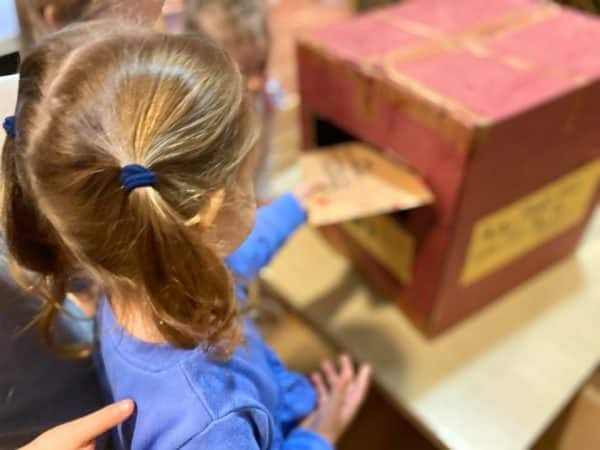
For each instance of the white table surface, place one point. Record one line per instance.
(495, 381)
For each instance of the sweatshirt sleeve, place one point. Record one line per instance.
(303, 439)
(275, 223)
(250, 430)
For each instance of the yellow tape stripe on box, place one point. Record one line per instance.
(387, 241)
(518, 228)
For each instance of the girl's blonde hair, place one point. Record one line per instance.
(174, 104)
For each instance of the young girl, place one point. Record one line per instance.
(241, 28)
(138, 172)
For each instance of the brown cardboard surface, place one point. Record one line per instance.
(359, 182)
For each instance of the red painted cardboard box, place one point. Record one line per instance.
(496, 104)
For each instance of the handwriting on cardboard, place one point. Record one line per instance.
(359, 182)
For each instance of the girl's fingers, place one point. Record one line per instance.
(356, 395)
(330, 374)
(305, 190)
(346, 369)
(343, 383)
(363, 379)
(319, 383)
(337, 398)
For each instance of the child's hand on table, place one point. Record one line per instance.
(341, 394)
(81, 434)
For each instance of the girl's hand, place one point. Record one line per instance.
(81, 434)
(341, 394)
(306, 190)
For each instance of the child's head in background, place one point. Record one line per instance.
(240, 26)
(38, 18)
(175, 105)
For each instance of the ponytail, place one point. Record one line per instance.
(190, 290)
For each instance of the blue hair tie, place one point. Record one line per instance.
(9, 126)
(134, 176)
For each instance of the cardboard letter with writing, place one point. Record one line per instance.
(359, 182)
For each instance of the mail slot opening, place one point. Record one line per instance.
(384, 247)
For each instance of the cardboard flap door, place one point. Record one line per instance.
(372, 198)
(358, 182)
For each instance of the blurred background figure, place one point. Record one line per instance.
(38, 18)
(241, 28)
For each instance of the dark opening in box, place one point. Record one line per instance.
(326, 133)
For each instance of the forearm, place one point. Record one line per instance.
(275, 223)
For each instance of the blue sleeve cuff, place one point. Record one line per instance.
(289, 210)
(275, 223)
(304, 439)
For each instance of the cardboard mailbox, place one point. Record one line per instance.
(496, 106)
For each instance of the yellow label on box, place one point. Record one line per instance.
(516, 229)
(387, 241)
